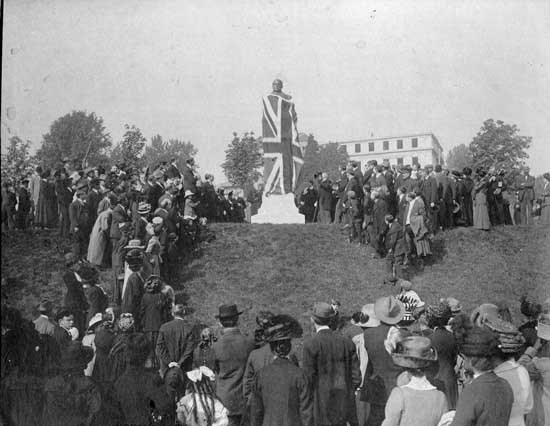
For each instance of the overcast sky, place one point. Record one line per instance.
(196, 70)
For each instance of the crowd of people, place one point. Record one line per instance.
(43, 198)
(396, 212)
(398, 361)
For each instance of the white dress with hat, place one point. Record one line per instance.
(99, 238)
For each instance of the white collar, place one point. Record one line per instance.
(476, 375)
(419, 383)
(322, 327)
(44, 316)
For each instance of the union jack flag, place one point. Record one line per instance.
(283, 158)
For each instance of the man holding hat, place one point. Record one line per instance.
(231, 352)
(176, 341)
(331, 364)
(281, 392)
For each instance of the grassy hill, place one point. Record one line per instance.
(285, 268)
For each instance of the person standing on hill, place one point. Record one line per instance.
(525, 184)
(231, 352)
(332, 367)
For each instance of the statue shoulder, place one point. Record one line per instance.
(282, 95)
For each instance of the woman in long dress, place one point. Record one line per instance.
(418, 224)
(545, 196)
(46, 208)
(479, 195)
(99, 238)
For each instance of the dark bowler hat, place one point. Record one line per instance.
(228, 311)
(323, 310)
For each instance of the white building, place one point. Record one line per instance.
(420, 149)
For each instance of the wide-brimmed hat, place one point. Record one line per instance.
(368, 310)
(323, 311)
(143, 208)
(456, 207)
(228, 311)
(188, 193)
(283, 327)
(510, 338)
(483, 311)
(134, 244)
(479, 342)
(96, 319)
(157, 220)
(389, 310)
(75, 356)
(410, 304)
(88, 273)
(414, 352)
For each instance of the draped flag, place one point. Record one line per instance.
(283, 158)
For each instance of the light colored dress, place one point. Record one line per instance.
(88, 340)
(481, 211)
(414, 404)
(99, 238)
(539, 372)
(518, 378)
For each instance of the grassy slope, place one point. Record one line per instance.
(285, 268)
(288, 267)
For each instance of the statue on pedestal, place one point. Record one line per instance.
(283, 158)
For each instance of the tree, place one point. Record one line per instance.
(500, 145)
(164, 151)
(328, 158)
(131, 148)
(243, 159)
(78, 136)
(16, 162)
(459, 157)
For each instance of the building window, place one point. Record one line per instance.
(386, 145)
(415, 161)
(399, 161)
(415, 142)
(357, 147)
(399, 143)
(371, 146)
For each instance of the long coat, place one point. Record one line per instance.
(325, 195)
(281, 396)
(176, 342)
(332, 367)
(487, 401)
(231, 352)
(132, 294)
(99, 238)
(395, 239)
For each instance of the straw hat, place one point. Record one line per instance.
(96, 319)
(368, 310)
(143, 208)
(284, 327)
(389, 310)
(414, 352)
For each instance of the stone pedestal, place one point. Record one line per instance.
(278, 209)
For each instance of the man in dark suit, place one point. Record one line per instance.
(395, 248)
(189, 176)
(525, 184)
(281, 394)
(331, 364)
(430, 193)
(155, 191)
(79, 225)
(173, 172)
(325, 200)
(176, 341)
(231, 352)
(65, 321)
(378, 227)
(465, 196)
